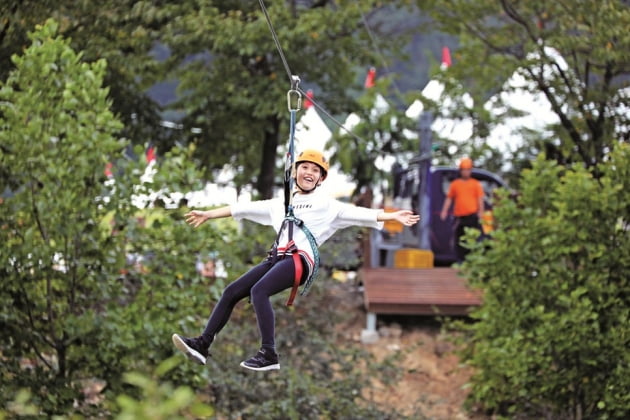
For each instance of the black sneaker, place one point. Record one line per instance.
(265, 359)
(192, 348)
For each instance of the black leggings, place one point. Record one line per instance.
(260, 283)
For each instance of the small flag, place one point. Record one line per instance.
(371, 76)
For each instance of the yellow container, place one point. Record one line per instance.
(413, 258)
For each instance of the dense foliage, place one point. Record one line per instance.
(73, 312)
(123, 32)
(553, 334)
(221, 58)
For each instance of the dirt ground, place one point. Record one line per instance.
(428, 379)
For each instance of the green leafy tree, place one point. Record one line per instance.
(233, 83)
(227, 67)
(73, 308)
(56, 134)
(552, 336)
(122, 32)
(575, 54)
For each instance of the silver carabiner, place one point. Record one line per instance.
(294, 97)
(294, 100)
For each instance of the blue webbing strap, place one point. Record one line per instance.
(294, 100)
(311, 240)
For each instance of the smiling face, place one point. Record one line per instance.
(308, 176)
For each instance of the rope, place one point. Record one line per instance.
(290, 218)
(288, 179)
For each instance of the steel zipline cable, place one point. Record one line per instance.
(277, 42)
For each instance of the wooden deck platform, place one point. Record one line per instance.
(429, 291)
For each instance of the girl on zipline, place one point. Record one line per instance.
(313, 219)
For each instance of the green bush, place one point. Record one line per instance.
(159, 399)
(552, 336)
(160, 295)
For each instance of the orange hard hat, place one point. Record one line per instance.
(465, 163)
(313, 156)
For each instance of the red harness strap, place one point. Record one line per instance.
(297, 262)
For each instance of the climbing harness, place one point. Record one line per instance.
(294, 103)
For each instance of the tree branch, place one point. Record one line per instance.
(512, 13)
(40, 226)
(31, 320)
(491, 46)
(565, 121)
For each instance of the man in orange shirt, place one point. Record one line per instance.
(467, 193)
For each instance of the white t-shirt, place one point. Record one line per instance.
(321, 214)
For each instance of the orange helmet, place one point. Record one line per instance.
(465, 163)
(313, 156)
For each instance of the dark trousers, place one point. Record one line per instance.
(462, 222)
(259, 283)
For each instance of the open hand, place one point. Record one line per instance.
(196, 217)
(406, 217)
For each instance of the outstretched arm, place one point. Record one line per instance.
(198, 217)
(406, 217)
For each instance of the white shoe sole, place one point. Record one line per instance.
(191, 353)
(261, 369)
